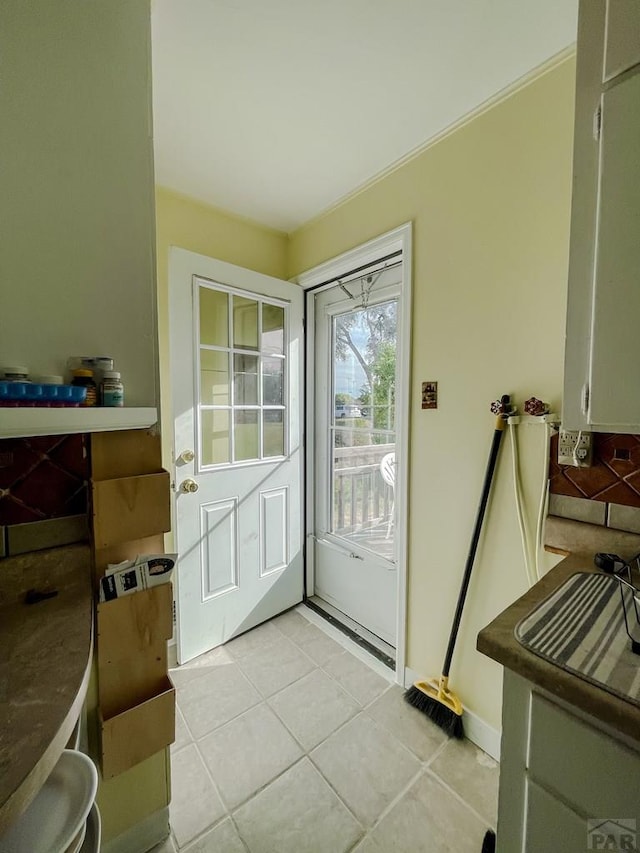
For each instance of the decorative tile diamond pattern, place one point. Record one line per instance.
(614, 476)
(42, 477)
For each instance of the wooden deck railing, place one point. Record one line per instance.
(361, 498)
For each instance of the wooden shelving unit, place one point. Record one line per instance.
(130, 511)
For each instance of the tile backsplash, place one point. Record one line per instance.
(608, 492)
(42, 478)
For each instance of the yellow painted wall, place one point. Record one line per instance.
(490, 206)
(186, 223)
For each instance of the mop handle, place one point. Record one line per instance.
(473, 547)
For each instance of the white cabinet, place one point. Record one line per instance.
(622, 38)
(77, 211)
(563, 777)
(602, 358)
(615, 344)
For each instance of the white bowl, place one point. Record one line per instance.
(92, 838)
(56, 816)
(76, 844)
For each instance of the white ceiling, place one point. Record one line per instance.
(276, 109)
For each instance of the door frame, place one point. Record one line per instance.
(325, 275)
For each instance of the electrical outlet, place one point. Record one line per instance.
(574, 448)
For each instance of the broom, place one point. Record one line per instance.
(433, 696)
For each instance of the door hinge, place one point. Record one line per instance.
(597, 123)
(584, 403)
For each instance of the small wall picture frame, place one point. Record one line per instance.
(429, 395)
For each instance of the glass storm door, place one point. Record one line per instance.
(236, 339)
(355, 443)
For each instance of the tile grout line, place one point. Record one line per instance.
(340, 799)
(362, 708)
(459, 797)
(235, 716)
(305, 752)
(215, 823)
(405, 790)
(305, 749)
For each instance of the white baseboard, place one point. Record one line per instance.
(482, 734)
(141, 837)
(475, 728)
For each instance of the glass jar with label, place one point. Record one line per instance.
(84, 379)
(112, 389)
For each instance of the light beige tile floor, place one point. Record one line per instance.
(288, 743)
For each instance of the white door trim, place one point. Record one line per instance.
(400, 239)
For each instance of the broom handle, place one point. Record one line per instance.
(486, 488)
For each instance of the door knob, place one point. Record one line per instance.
(186, 456)
(189, 486)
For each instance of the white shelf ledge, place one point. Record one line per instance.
(25, 422)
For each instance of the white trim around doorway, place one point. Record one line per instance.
(370, 253)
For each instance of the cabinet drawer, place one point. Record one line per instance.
(589, 769)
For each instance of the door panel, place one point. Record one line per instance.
(355, 563)
(218, 535)
(236, 339)
(274, 530)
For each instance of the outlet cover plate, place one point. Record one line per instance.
(575, 448)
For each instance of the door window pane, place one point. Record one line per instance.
(273, 423)
(214, 378)
(246, 435)
(364, 371)
(273, 382)
(214, 317)
(245, 377)
(215, 439)
(245, 323)
(242, 394)
(362, 436)
(272, 328)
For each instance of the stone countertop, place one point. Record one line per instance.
(45, 663)
(580, 542)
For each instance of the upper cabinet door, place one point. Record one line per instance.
(615, 344)
(622, 40)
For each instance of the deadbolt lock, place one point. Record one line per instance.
(189, 486)
(186, 456)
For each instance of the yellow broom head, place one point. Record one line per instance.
(438, 703)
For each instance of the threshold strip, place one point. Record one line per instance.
(322, 609)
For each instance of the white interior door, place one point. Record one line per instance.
(356, 370)
(236, 366)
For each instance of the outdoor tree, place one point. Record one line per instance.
(381, 394)
(343, 399)
(370, 335)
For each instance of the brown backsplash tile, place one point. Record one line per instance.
(614, 476)
(42, 478)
